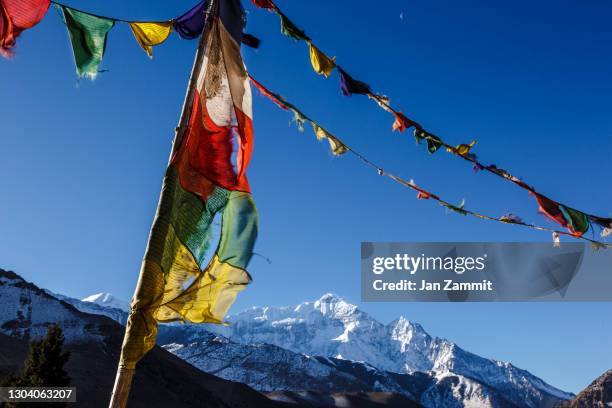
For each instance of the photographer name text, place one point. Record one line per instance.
(412, 265)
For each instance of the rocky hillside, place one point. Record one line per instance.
(597, 395)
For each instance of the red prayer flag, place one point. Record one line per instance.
(402, 122)
(266, 4)
(550, 209)
(16, 16)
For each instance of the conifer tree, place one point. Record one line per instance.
(44, 366)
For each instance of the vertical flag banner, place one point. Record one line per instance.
(149, 35)
(88, 37)
(180, 280)
(17, 16)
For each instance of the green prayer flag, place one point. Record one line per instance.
(291, 30)
(576, 220)
(88, 37)
(433, 141)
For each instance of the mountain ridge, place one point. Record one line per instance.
(333, 328)
(338, 334)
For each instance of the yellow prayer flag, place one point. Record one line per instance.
(321, 63)
(337, 147)
(462, 149)
(151, 34)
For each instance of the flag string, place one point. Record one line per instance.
(422, 193)
(88, 31)
(88, 34)
(577, 222)
(60, 4)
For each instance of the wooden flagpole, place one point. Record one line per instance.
(124, 376)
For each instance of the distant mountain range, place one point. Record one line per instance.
(321, 354)
(326, 353)
(330, 345)
(284, 348)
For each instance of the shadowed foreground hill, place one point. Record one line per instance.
(162, 380)
(94, 342)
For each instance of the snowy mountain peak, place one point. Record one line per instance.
(330, 298)
(403, 330)
(107, 300)
(333, 327)
(334, 306)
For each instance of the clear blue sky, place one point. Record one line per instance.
(82, 164)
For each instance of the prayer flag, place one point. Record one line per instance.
(321, 63)
(191, 24)
(149, 35)
(337, 147)
(88, 37)
(17, 16)
(185, 276)
(350, 86)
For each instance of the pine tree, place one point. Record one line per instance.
(44, 366)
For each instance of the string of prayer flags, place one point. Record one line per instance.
(336, 145)
(277, 99)
(321, 63)
(149, 35)
(88, 37)
(573, 220)
(422, 194)
(576, 222)
(88, 32)
(190, 25)
(17, 16)
(350, 85)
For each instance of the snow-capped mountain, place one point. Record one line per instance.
(269, 348)
(332, 327)
(266, 368)
(118, 315)
(26, 311)
(107, 300)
